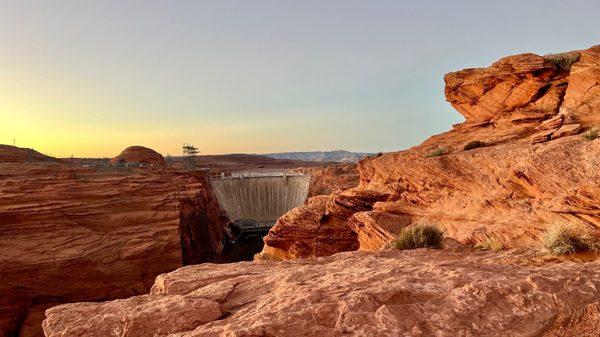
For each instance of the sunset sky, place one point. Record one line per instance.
(90, 78)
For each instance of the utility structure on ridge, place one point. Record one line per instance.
(189, 156)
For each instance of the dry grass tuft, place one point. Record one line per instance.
(419, 236)
(437, 152)
(490, 244)
(563, 60)
(591, 134)
(568, 239)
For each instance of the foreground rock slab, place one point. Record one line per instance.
(390, 293)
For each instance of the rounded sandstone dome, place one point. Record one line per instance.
(139, 155)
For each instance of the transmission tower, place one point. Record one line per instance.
(189, 155)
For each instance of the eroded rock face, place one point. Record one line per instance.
(71, 234)
(582, 99)
(531, 170)
(201, 226)
(412, 293)
(520, 87)
(139, 155)
(319, 228)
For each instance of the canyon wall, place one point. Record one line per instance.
(526, 168)
(72, 234)
(202, 225)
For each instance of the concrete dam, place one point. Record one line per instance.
(254, 202)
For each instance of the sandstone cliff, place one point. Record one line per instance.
(72, 234)
(526, 167)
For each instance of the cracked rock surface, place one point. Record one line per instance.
(423, 292)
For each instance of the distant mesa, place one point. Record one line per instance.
(340, 156)
(13, 154)
(139, 155)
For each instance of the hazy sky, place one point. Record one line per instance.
(91, 77)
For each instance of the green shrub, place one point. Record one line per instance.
(437, 152)
(567, 239)
(489, 244)
(419, 236)
(563, 60)
(473, 145)
(591, 134)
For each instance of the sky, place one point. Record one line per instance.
(89, 78)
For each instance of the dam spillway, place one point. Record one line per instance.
(253, 203)
(260, 197)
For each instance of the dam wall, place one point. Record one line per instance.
(261, 197)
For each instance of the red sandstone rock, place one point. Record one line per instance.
(412, 293)
(553, 123)
(582, 99)
(13, 154)
(542, 136)
(319, 228)
(139, 155)
(566, 130)
(510, 190)
(152, 316)
(520, 83)
(72, 234)
(330, 179)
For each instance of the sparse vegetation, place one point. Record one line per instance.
(437, 152)
(419, 236)
(490, 244)
(563, 60)
(473, 145)
(591, 134)
(568, 239)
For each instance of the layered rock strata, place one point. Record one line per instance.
(73, 234)
(514, 167)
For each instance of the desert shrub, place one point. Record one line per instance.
(563, 60)
(473, 145)
(437, 152)
(567, 239)
(419, 236)
(591, 134)
(490, 244)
